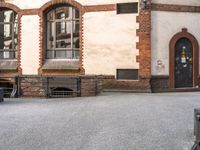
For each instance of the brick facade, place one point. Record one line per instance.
(92, 85)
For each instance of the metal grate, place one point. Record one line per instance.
(9, 88)
(62, 92)
(61, 87)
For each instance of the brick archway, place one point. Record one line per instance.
(183, 34)
(47, 6)
(57, 2)
(10, 6)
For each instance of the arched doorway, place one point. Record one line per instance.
(184, 60)
(183, 70)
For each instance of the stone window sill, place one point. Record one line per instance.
(8, 65)
(57, 68)
(61, 65)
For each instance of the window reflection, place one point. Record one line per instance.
(8, 34)
(63, 33)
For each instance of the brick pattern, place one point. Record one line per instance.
(160, 83)
(32, 87)
(11, 6)
(41, 43)
(95, 8)
(175, 8)
(144, 44)
(82, 70)
(52, 3)
(89, 86)
(111, 84)
(19, 44)
(134, 86)
(29, 12)
(35, 86)
(4, 79)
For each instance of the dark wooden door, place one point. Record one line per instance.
(183, 63)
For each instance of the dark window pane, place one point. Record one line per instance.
(123, 8)
(1, 55)
(15, 36)
(61, 54)
(76, 13)
(1, 36)
(8, 15)
(50, 55)
(63, 13)
(63, 34)
(15, 18)
(11, 55)
(5, 36)
(50, 15)
(76, 34)
(75, 54)
(50, 35)
(16, 54)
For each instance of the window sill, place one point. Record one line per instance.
(8, 68)
(57, 68)
(8, 65)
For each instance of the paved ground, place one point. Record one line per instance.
(112, 121)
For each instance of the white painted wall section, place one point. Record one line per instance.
(109, 42)
(30, 45)
(164, 26)
(179, 2)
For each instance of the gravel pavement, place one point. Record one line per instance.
(111, 121)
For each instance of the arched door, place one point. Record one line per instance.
(183, 60)
(183, 63)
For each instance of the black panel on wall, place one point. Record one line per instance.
(127, 74)
(126, 8)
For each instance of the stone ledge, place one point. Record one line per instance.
(60, 68)
(8, 68)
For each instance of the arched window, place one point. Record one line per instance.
(8, 34)
(62, 33)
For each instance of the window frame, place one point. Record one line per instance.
(13, 23)
(73, 20)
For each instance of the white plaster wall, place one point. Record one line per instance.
(109, 42)
(27, 4)
(30, 45)
(179, 2)
(164, 26)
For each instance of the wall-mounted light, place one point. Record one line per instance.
(144, 4)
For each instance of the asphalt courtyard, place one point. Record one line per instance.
(111, 121)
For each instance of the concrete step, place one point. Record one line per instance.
(127, 91)
(177, 90)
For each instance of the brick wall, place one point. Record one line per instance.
(31, 86)
(144, 44)
(160, 83)
(89, 85)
